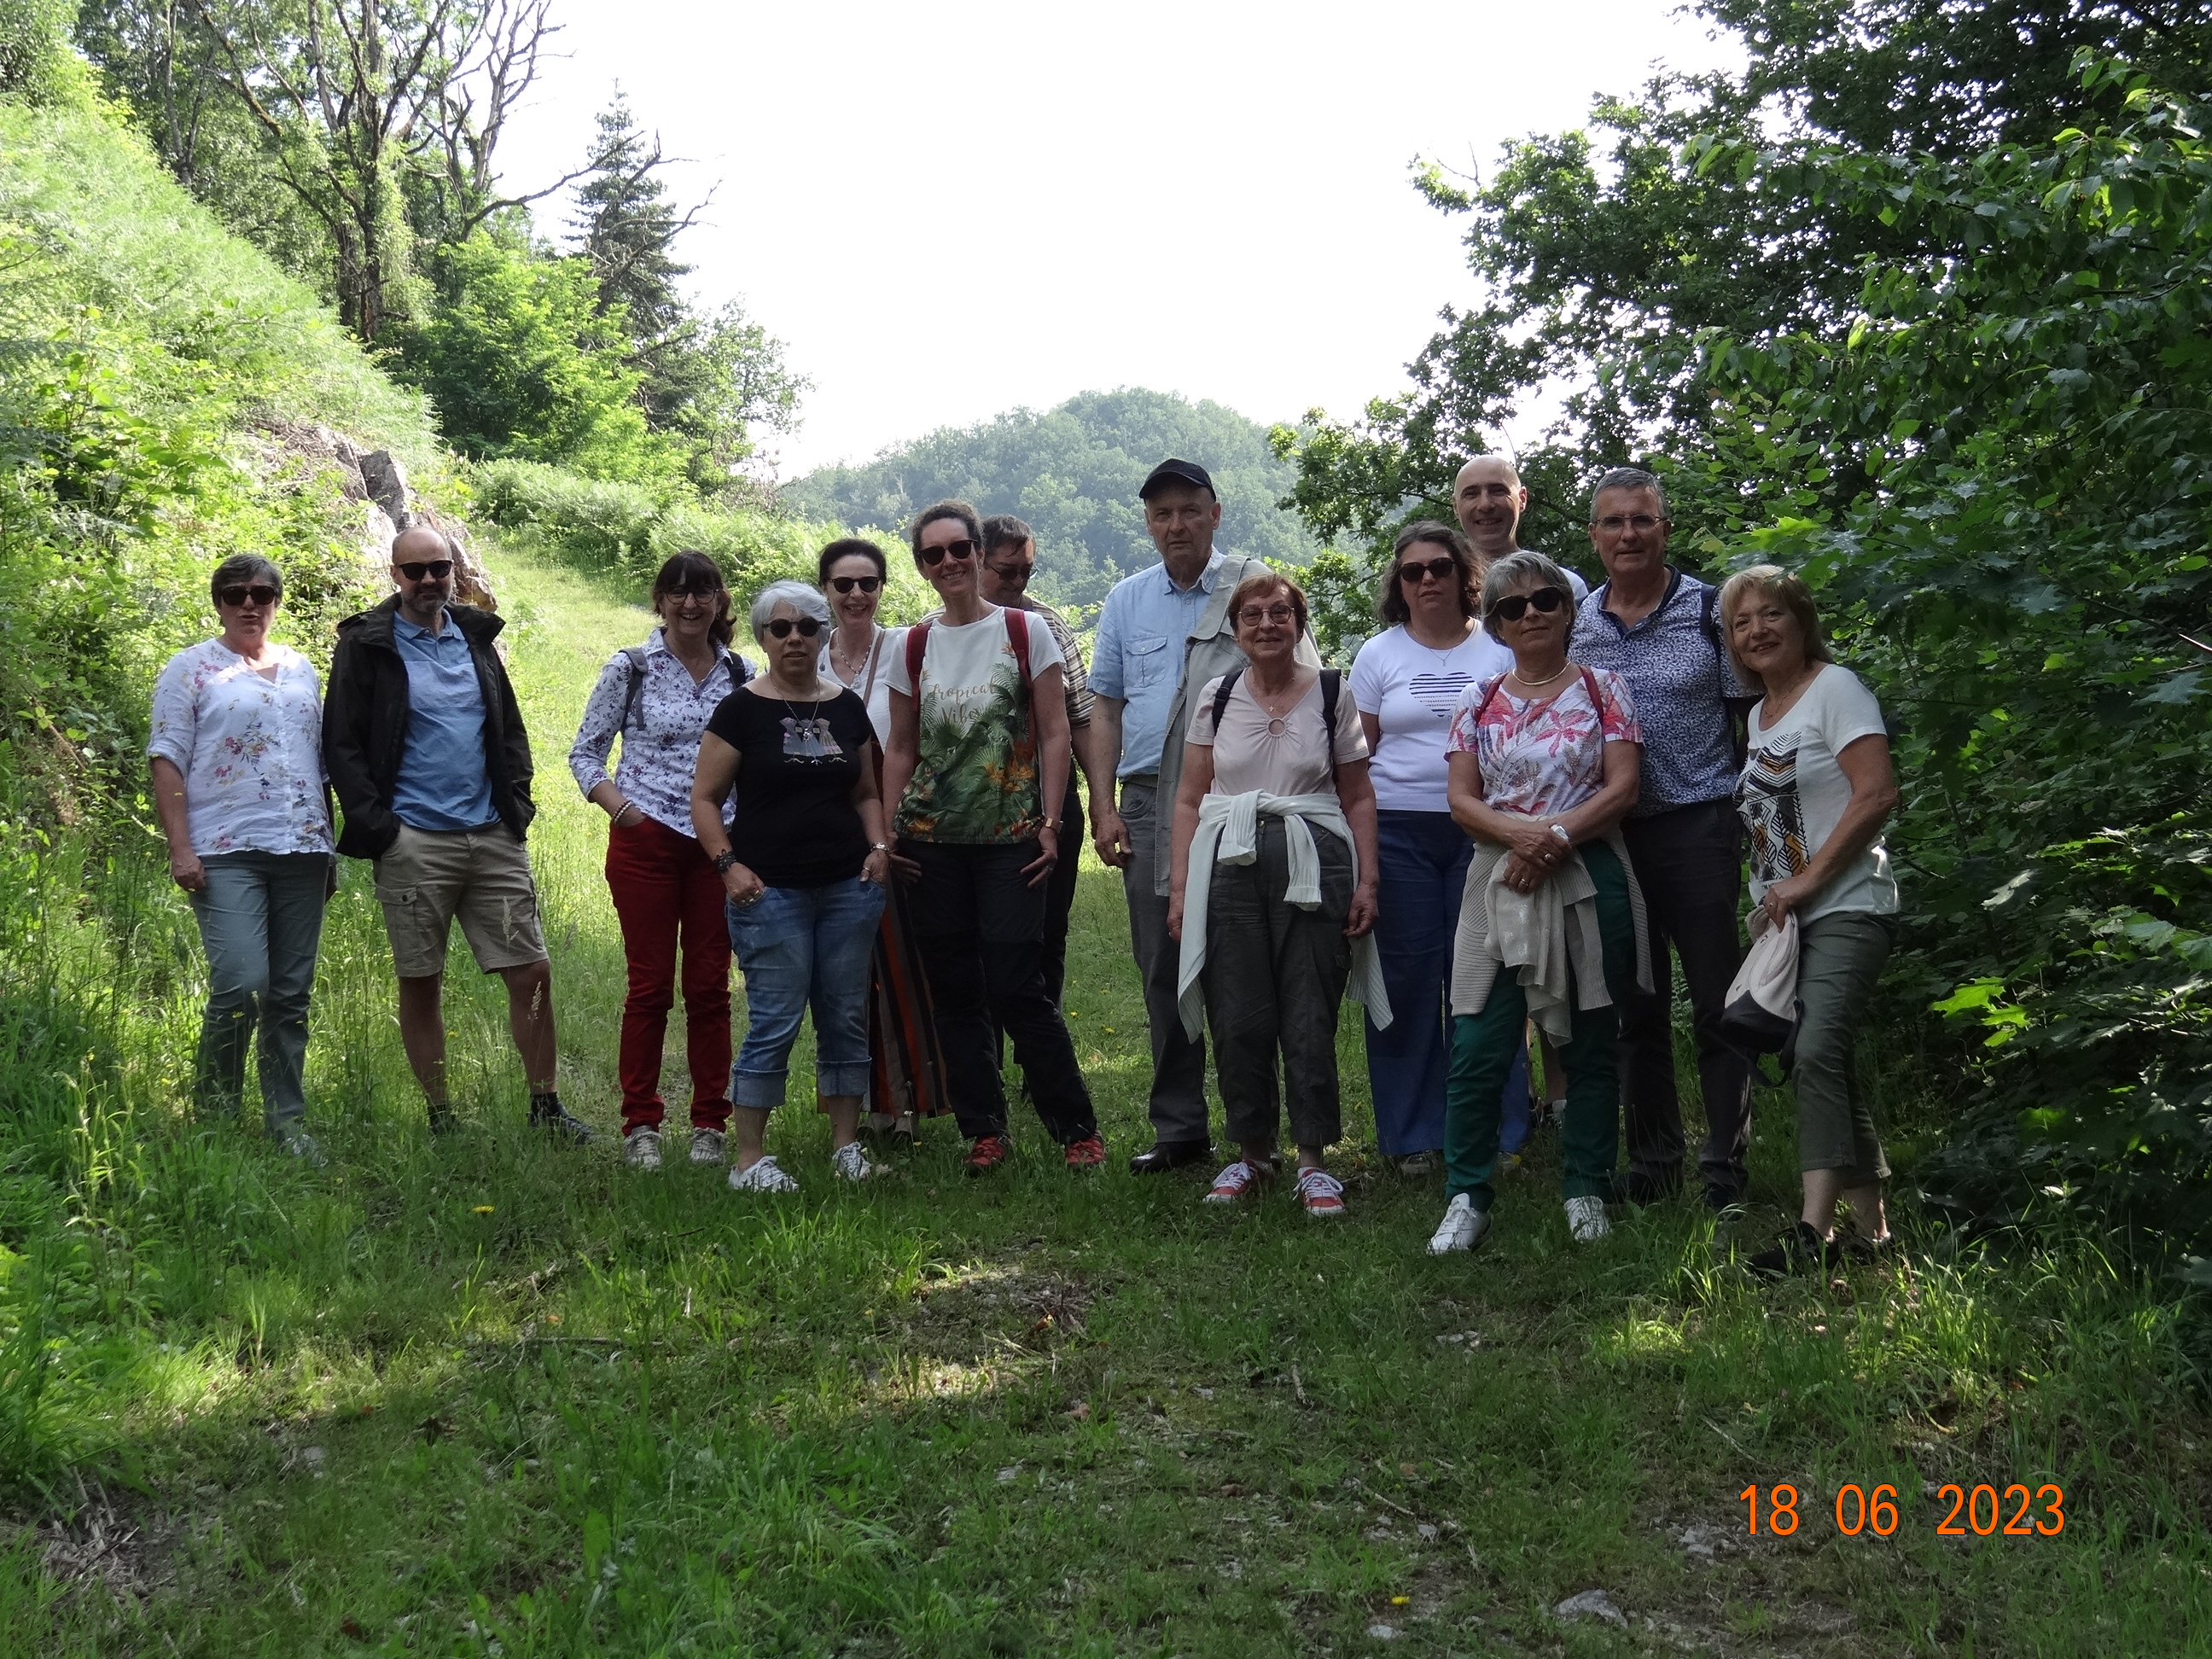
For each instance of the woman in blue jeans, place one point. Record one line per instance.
(237, 757)
(1407, 681)
(803, 864)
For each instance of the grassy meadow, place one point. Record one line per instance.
(488, 1397)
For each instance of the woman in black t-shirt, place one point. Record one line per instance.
(804, 865)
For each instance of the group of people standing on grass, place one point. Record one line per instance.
(1522, 804)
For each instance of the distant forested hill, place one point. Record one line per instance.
(1073, 473)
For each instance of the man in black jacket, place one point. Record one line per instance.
(430, 762)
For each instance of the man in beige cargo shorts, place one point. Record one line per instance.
(431, 764)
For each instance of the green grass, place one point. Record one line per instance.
(489, 1396)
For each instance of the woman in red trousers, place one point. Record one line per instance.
(656, 698)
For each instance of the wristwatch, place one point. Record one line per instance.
(1560, 830)
(879, 847)
(724, 859)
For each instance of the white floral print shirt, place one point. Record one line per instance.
(249, 748)
(661, 745)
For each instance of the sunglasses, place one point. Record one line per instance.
(258, 593)
(781, 627)
(436, 570)
(1413, 570)
(1014, 573)
(962, 549)
(846, 584)
(1515, 606)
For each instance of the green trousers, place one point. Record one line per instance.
(1483, 1046)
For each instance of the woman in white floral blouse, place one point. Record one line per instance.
(237, 758)
(656, 697)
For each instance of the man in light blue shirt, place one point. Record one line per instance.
(1138, 667)
(443, 783)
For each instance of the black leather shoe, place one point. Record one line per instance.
(1169, 1155)
(1641, 1186)
(547, 1112)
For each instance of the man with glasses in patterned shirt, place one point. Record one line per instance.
(1657, 629)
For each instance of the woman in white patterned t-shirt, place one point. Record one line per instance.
(1817, 785)
(237, 755)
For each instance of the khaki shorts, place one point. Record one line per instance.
(426, 878)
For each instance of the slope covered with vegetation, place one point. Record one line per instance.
(1073, 473)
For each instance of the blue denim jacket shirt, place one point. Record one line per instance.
(1138, 656)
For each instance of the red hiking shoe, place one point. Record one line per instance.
(986, 1153)
(1088, 1153)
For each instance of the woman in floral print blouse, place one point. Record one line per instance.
(237, 757)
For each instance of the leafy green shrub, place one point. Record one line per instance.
(632, 528)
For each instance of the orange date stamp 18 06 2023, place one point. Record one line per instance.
(1959, 1511)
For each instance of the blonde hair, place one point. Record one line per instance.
(1786, 586)
(1266, 581)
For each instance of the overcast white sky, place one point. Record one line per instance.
(948, 208)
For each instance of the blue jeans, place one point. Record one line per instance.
(261, 922)
(1422, 876)
(797, 946)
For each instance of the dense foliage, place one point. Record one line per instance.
(1073, 473)
(1963, 388)
(150, 366)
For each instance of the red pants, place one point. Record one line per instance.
(664, 888)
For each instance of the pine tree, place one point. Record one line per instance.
(625, 225)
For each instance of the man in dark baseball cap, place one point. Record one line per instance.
(1171, 473)
(1163, 634)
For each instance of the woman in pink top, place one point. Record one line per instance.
(1272, 888)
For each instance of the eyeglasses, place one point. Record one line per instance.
(259, 592)
(962, 549)
(1515, 606)
(781, 627)
(1642, 522)
(1411, 571)
(436, 569)
(1014, 573)
(694, 593)
(1252, 615)
(846, 584)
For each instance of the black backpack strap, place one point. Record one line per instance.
(1221, 698)
(1331, 680)
(1739, 708)
(634, 655)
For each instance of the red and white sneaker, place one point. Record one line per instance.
(1321, 1193)
(986, 1153)
(1088, 1153)
(1239, 1180)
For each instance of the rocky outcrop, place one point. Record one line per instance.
(375, 480)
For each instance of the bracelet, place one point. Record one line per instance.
(724, 859)
(1560, 830)
(626, 806)
(879, 847)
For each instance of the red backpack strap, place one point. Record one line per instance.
(917, 642)
(1597, 703)
(1483, 707)
(1018, 641)
(1017, 637)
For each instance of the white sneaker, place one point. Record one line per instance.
(1586, 1219)
(765, 1176)
(1462, 1228)
(850, 1163)
(641, 1149)
(707, 1146)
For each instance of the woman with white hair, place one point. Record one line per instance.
(803, 863)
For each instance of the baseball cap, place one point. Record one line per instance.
(1173, 472)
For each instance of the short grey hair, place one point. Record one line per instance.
(1510, 572)
(1628, 477)
(804, 599)
(241, 569)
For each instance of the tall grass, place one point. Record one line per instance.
(441, 1395)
